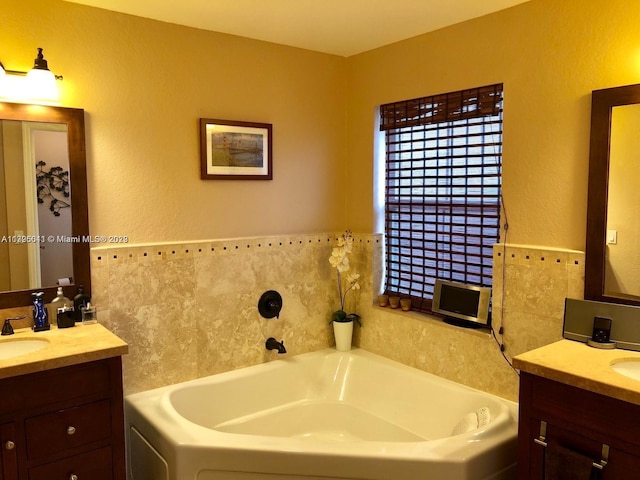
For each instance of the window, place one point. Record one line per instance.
(442, 190)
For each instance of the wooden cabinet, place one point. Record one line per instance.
(63, 424)
(583, 426)
(8, 457)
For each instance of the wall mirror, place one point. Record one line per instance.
(44, 223)
(612, 268)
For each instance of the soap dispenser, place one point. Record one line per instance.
(40, 317)
(80, 301)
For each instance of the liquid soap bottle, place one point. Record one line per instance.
(80, 302)
(40, 316)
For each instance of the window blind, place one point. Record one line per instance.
(442, 193)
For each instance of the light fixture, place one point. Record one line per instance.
(3, 74)
(38, 86)
(41, 82)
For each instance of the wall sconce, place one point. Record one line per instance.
(37, 85)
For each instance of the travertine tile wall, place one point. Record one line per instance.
(189, 310)
(536, 282)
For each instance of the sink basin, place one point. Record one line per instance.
(628, 368)
(15, 347)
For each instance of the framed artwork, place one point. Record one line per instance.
(232, 150)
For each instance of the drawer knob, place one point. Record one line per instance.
(73, 477)
(71, 430)
(9, 445)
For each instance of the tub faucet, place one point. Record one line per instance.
(273, 344)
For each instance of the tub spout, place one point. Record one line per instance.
(273, 344)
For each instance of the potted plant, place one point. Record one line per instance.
(341, 320)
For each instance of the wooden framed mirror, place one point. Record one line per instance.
(613, 229)
(22, 118)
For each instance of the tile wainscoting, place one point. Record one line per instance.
(190, 309)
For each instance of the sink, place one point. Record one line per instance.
(628, 368)
(20, 346)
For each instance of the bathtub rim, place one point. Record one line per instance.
(180, 433)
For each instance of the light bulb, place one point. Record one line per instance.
(3, 84)
(41, 85)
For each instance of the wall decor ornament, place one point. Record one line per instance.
(233, 150)
(53, 186)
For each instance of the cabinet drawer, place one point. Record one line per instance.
(52, 386)
(94, 465)
(73, 427)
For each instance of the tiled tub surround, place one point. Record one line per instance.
(536, 282)
(188, 310)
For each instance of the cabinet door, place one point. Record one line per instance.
(8, 455)
(616, 463)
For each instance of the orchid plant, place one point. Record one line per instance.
(339, 259)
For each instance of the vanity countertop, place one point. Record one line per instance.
(68, 346)
(578, 365)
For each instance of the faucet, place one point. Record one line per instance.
(273, 344)
(7, 329)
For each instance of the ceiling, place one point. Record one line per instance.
(339, 27)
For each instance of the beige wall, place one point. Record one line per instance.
(14, 183)
(622, 274)
(144, 85)
(5, 272)
(550, 55)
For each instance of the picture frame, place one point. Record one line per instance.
(235, 150)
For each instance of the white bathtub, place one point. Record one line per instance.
(320, 415)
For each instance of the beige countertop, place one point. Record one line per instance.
(68, 346)
(576, 364)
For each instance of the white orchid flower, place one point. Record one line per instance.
(340, 261)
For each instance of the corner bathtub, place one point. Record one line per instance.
(321, 415)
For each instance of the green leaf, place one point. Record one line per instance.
(339, 316)
(354, 317)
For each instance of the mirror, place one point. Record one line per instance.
(612, 268)
(55, 136)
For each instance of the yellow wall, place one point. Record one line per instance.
(144, 85)
(14, 182)
(550, 55)
(622, 274)
(5, 272)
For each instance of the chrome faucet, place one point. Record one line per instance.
(273, 344)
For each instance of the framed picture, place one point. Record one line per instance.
(231, 150)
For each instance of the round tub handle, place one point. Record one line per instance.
(9, 445)
(70, 431)
(73, 477)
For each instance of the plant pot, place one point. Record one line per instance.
(343, 331)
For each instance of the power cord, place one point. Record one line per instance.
(500, 342)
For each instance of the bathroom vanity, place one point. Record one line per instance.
(61, 407)
(578, 411)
